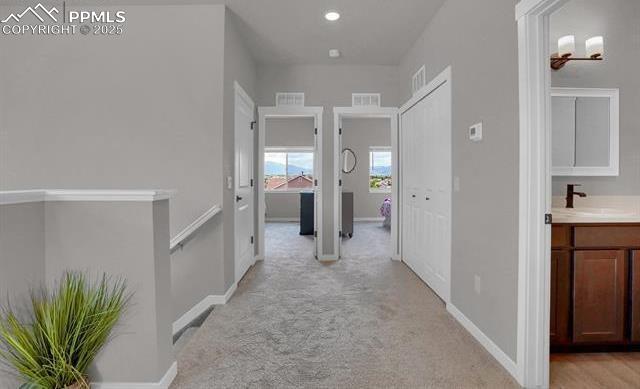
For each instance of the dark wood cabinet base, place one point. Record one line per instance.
(595, 288)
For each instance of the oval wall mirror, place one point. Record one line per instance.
(349, 160)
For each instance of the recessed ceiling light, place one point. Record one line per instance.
(334, 53)
(332, 16)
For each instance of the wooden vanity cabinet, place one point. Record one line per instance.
(635, 296)
(599, 295)
(560, 296)
(595, 286)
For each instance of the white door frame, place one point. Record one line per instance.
(444, 77)
(239, 94)
(265, 113)
(534, 236)
(390, 113)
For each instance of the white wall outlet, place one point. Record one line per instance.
(477, 284)
(475, 132)
(229, 182)
(456, 184)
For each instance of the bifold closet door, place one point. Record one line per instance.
(426, 189)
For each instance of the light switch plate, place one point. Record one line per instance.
(475, 132)
(456, 184)
(477, 284)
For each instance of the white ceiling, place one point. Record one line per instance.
(374, 32)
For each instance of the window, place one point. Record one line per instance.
(380, 169)
(288, 169)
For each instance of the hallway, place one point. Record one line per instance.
(360, 322)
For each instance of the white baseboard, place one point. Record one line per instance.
(164, 382)
(282, 219)
(327, 258)
(485, 341)
(201, 307)
(368, 219)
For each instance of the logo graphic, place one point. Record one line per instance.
(34, 11)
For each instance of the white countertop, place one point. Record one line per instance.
(598, 209)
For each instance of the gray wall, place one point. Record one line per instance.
(286, 132)
(122, 239)
(479, 40)
(359, 135)
(327, 86)
(617, 22)
(21, 249)
(143, 110)
(238, 66)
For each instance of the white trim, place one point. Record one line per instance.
(202, 306)
(390, 113)
(284, 112)
(164, 382)
(328, 258)
(193, 227)
(534, 237)
(109, 195)
(484, 340)
(21, 196)
(613, 94)
(282, 219)
(368, 219)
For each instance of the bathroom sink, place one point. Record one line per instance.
(592, 212)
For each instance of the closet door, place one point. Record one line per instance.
(426, 188)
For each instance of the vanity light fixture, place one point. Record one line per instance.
(332, 16)
(594, 48)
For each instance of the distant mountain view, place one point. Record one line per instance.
(277, 169)
(380, 171)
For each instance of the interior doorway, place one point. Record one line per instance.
(289, 181)
(365, 175)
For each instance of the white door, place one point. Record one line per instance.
(426, 189)
(317, 196)
(244, 241)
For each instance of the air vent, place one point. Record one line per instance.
(365, 99)
(418, 80)
(290, 99)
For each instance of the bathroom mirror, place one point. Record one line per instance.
(584, 125)
(349, 160)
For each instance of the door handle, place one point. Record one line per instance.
(413, 195)
(427, 198)
(238, 198)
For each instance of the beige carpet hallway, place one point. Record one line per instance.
(362, 322)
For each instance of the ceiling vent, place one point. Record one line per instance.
(418, 80)
(295, 99)
(365, 99)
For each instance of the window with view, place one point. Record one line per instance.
(288, 169)
(380, 169)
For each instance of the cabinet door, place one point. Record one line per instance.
(599, 288)
(560, 296)
(635, 297)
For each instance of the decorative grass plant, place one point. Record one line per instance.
(64, 331)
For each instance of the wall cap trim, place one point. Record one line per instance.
(164, 382)
(39, 195)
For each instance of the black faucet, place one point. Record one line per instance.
(571, 192)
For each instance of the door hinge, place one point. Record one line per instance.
(315, 182)
(340, 182)
(548, 218)
(315, 131)
(252, 182)
(252, 239)
(253, 124)
(339, 131)
(339, 234)
(315, 234)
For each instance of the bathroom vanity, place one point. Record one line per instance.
(595, 279)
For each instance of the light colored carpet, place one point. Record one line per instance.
(362, 322)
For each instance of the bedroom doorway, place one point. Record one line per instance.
(365, 171)
(289, 182)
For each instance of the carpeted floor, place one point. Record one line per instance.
(362, 322)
